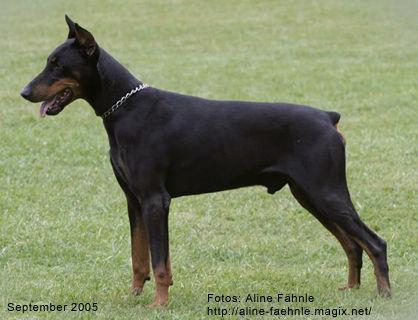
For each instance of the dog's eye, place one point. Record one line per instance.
(55, 63)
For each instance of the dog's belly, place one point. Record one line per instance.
(205, 178)
(197, 183)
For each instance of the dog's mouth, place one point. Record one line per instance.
(56, 103)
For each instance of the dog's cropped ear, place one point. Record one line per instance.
(71, 27)
(86, 40)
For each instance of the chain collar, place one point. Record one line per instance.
(122, 100)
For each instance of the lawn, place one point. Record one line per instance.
(64, 231)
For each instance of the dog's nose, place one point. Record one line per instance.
(25, 93)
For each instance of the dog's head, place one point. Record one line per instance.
(69, 72)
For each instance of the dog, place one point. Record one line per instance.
(165, 145)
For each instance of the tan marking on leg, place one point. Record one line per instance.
(140, 258)
(353, 268)
(383, 286)
(163, 280)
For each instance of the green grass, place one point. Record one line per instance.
(64, 232)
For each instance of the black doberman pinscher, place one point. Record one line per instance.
(165, 145)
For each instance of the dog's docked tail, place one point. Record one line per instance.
(335, 118)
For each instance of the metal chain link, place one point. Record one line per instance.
(122, 100)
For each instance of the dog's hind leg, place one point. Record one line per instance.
(339, 216)
(354, 255)
(319, 183)
(353, 251)
(346, 219)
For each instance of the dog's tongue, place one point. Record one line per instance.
(44, 107)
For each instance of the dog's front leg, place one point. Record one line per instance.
(139, 238)
(139, 247)
(155, 207)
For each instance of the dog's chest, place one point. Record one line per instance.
(118, 163)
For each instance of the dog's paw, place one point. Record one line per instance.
(136, 291)
(138, 286)
(385, 292)
(344, 288)
(348, 287)
(158, 304)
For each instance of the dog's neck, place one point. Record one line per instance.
(114, 82)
